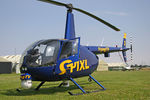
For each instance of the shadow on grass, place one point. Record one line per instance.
(51, 90)
(28, 92)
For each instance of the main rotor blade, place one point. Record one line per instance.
(97, 18)
(55, 3)
(82, 11)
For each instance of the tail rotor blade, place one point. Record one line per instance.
(131, 44)
(131, 48)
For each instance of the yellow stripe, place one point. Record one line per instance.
(125, 35)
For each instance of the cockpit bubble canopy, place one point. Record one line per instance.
(46, 52)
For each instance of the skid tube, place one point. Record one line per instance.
(84, 92)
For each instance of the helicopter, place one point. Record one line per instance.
(64, 59)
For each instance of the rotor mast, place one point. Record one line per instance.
(70, 28)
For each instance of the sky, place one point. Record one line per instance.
(23, 22)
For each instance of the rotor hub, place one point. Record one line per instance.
(70, 7)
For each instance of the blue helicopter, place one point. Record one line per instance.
(64, 59)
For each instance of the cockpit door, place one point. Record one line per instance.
(69, 53)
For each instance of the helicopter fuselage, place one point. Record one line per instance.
(83, 66)
(79, 62)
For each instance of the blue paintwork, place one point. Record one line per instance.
(70, 29)
(95, 49)
(51, 73)
(124, 47)
(124, 56)
(42, 73)
(124, 43)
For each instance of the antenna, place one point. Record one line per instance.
(102, 41)
(15, 54)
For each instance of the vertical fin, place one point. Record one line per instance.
(123, 47)
(70, 29)
(124, 41)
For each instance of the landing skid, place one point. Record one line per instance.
(85, 92)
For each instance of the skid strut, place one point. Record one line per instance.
(40, 85)
(77, 86)
(84, 92)
(96, 82)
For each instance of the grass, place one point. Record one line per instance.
(128, 85)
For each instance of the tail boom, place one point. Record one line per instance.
(107, 50)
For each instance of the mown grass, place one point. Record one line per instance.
(128, 85)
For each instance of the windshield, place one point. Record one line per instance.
(45, 52)
(41, 53)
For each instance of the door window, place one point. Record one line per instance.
(69, 48)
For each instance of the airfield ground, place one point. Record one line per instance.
(128, 85)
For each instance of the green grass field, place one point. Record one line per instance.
(128, 85)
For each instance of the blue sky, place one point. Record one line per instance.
(25, 21)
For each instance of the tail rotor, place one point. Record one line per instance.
(124, 49)
(131, 48)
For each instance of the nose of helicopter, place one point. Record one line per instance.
(41, 73)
